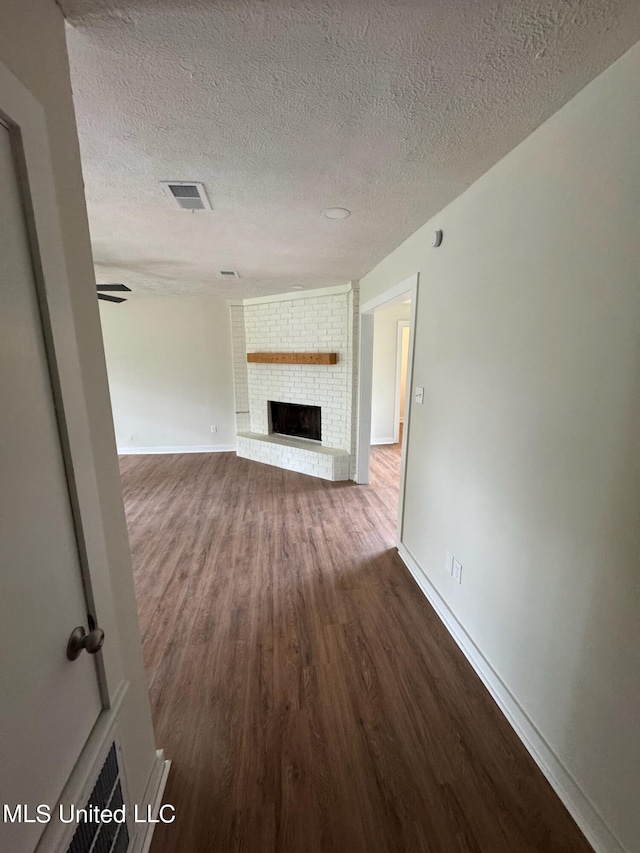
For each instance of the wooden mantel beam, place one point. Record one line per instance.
(292, 357)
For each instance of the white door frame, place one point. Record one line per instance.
(402, 324)
(27, 126)
(365, 385)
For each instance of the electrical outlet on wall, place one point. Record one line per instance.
(214, 428)
(457, 571)
(448, 562)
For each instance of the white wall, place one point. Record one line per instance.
(404, 365)
(526, 449)
(32, 45)
(170, 373)
(240, 371)
(385, 351)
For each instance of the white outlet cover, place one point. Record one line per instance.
(457, 571)
(419, 395)
(449, 562)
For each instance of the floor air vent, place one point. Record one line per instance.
(107, 794)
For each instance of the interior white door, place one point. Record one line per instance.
(48, 704)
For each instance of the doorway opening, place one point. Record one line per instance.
(402, 363)
(384, 406)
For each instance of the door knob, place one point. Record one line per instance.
(79, 640)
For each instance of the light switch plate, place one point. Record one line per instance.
(419, 395)
(457, 571)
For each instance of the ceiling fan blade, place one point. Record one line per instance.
(119, 287)
(111, 298)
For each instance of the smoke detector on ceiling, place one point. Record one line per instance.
(337, 213)
(187, 195)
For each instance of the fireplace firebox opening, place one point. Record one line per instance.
(295, 420)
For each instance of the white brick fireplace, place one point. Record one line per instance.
(312, 321)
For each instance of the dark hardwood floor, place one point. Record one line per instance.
(308, 695)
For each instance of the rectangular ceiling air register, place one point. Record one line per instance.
(187, 195)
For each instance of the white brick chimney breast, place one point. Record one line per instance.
(316, 321)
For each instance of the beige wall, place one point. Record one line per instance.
(32, 46)
(170, 373)
(385, 351)
(526, 449)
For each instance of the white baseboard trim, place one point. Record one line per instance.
(152, 797)
(376, 441)
(191, 448)
(576, 802)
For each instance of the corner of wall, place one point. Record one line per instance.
(240, 373)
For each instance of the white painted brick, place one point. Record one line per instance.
(311, 324)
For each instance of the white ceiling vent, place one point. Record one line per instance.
(188, 195)
(229, 274)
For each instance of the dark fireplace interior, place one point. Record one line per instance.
(293, 419)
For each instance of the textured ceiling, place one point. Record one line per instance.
(390, 108)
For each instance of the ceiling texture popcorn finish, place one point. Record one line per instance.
(285, 108)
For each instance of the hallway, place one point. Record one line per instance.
(306, 692)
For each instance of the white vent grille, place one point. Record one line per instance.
(93, 837)
(187, 195)
(229, 274)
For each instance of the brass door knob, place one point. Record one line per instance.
(79, 640)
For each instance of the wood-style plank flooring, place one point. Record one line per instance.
(308, 695)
